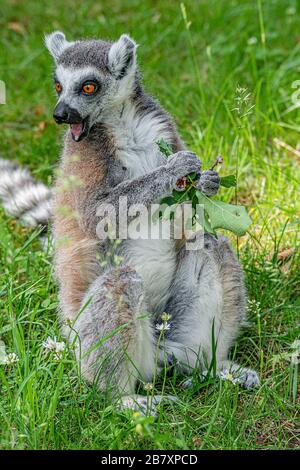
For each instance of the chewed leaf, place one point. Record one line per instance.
(228, 181)
(226, 216)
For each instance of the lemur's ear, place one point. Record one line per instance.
(56, 42)
(122, 56)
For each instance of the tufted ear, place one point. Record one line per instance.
(56, 43)
(122, 56)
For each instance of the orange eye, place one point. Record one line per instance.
(58, 87)
(89, 88)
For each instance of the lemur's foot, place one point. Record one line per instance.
(244, 376)
(145, 405)
(209, 182)
(234, 373)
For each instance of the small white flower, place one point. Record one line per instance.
(251, 41)
(290, 11)
(11, 358)
(49, 344)
(148, 387)
(227, 375)
(163, 326)
(55, 346)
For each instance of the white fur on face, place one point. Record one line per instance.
(106, 103)
(68, 77)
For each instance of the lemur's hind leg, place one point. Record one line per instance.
(207, 301)
(113, 338)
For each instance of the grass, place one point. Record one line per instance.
(197, 61)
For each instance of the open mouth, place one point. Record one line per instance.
(79, 130)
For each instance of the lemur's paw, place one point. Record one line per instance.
(209, 183)
(183, 163)
(236, 374)
(243, 376)
(146, 406)
(249, 378)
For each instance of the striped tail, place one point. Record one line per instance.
(23, 198)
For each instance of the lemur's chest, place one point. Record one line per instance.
(135, 139)
(136, 148)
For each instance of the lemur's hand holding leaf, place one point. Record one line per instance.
(197, 186)
(183, 163)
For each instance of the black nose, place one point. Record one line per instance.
(64, 113)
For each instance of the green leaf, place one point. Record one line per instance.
(228, 181)
(164, 147)
(181, 196)
(207, 226)
(169, 200)
(226, 216)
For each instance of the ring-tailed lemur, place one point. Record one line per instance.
(110, 151)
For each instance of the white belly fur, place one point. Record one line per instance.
(154, 260)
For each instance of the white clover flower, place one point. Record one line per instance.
(59, 350)
(251, 41)
(11, 358)
(7, 358)
(52, 345)
(163, 326)
(227, 375)
(49, 344)
(148, 387)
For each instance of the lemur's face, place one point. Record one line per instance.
(92, 79)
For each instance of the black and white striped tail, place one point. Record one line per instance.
(23, 198)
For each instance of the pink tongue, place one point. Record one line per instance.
(76, 129)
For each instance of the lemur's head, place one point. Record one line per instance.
(92, 79)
